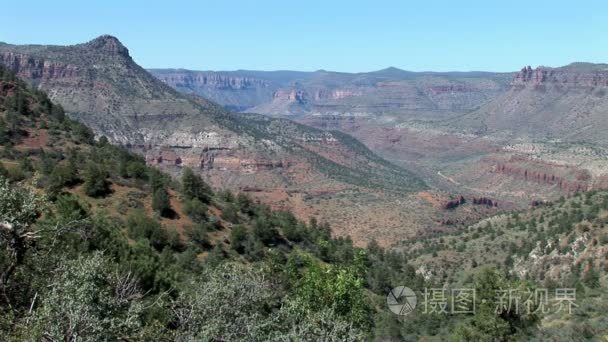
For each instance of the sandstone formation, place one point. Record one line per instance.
(330, 93)
(544, 178)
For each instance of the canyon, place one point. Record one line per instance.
(387, 155)
(520, 137)
(297, 167)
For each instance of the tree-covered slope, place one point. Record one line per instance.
(96, 245)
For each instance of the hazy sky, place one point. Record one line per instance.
(333, 35)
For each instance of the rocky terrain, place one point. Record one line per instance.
(385, 92)
(287, 163)
(566, 103)
(478, 135)
(532, 135)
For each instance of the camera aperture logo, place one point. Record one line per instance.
(401, 300)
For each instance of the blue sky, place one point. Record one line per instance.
(333, 35)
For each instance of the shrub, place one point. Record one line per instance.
(95, 181)
(238, 238)
(230, 213)
(198, 235)
(263, 230)
(196, 210)
(89, 298)
(3, 171)
(161, 203)
(193, 187)
(136, 170)
(141, 226)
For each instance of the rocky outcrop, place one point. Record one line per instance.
(451, 204)
(293, 95)
(107, 45)
(449, 88)
(41, 70)
(565, 76)
(251, 189)
(323, 92)
(213, 80)
(538, 203)
(207, 159)
(325, 138)
(336, 94)
(601, 183)
(55, 66)
(546, 178)
(485, 201)
(454, 203)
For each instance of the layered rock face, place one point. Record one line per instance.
(193, 80)
(566, 103)
(580, 183)
(33, 68)
(234, 91)
(99, 83)
(322, 92)
(582, 76)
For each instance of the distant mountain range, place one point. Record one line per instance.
(566, 103)
(388, 91)
(469, 132)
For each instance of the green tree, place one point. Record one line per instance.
(488, 324)
(3, 171)
(244, 203)
(263, 230)
(591, 277)
(157, 179)
(96, 182)
(5, 137)
(335, 287)
(193, 187)
(196, 209)
(216, 256)
(161, 203)
(198, 235)
(19, 209)
(81, 133)
(135, 169)
(88, 299)
(238, 238)
(230, 213)
(69, 208)
(61, 176)
(141, 226)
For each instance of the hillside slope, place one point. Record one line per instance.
(567, 104)
(561, 244)
(95, 243)
(99, 84)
